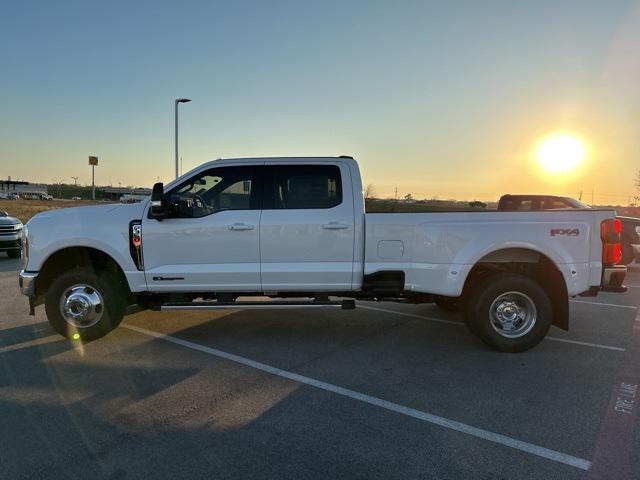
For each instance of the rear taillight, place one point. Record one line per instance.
(610, 231)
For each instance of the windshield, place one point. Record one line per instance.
(576, 203)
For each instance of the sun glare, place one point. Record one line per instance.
(560, 153)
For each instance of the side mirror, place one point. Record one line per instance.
(158, 209)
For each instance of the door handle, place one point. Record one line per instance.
(240, 226)
(335, 226)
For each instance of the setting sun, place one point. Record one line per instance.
(560, 153)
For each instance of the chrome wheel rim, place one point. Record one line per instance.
(82, 306)
(512, 314)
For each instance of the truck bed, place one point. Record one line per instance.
(436, 250)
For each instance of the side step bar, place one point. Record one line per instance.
(254, 305)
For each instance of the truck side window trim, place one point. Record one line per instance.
(302, 187)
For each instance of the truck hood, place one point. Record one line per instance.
(101, 227)
(90, 213)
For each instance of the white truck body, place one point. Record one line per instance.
(337, 250)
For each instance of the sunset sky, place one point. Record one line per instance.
(445, 99)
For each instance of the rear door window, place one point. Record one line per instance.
(302, 187)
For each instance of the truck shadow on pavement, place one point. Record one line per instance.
(25, 333)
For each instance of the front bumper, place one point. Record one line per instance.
(27, 282)
(612, 279)
(12, 244)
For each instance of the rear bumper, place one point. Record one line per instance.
(612, 279)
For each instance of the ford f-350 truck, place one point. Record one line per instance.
(294, 230)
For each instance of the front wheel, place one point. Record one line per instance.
(510, 312)
(84, 305)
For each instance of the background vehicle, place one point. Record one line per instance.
(36, 196)
(630, 226)
(630, 239)
(296, 229)
(513, 203)
(10, 196)
(10, 235)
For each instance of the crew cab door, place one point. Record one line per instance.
(307, 227)
(210, 242)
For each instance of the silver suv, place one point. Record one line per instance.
(10, 235)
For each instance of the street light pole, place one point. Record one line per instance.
(177, 101)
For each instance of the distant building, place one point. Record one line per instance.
(13, 186)
(126, 194)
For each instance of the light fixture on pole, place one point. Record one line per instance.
(177, 101)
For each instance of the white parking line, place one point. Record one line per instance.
(531, 448)
(451, 322)
(586, 344)
(631, 307)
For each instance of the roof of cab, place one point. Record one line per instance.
(257, 160)
(348, 158)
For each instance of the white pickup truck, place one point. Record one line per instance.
(294, 230)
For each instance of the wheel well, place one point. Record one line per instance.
(72, 257)
(531, 264)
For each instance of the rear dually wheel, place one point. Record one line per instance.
(509, 312)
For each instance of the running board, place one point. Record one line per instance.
(255, 305)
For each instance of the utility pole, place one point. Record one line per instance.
(178, 101)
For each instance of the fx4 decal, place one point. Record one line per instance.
(571, 232)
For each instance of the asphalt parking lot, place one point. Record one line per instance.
(385, 391)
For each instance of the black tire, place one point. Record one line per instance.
(14, 253)
(479, 312)
(112, 311)
(448, 304)
(463, 303)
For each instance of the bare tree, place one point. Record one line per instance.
(637, 181)
(408, 197)
(370, 191)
